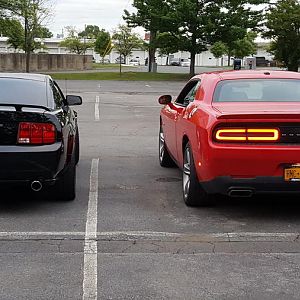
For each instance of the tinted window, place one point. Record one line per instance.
(21, 91)
(188, 94)
(258, 90)
(57, 97)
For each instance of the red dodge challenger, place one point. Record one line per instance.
(234, 133)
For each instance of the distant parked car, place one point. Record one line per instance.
(134, 62)
(184, 62)
(120, 59)
(105, 61)
(175, 62)
(39, 137)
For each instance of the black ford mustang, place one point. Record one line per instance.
(39, 138)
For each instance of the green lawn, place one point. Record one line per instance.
(125, 76)
(107, 66)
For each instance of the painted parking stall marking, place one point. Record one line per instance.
(97, 108)
(90, 242)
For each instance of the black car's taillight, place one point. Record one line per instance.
(36, 133)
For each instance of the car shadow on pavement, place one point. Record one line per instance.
(20, 199)
(269, 206)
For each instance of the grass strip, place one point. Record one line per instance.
(125, 76)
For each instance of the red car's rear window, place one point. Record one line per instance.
(258, 90)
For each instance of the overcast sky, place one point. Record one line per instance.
(106, 14)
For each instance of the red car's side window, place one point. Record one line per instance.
(188, 93)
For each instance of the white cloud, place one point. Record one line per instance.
(106, 14)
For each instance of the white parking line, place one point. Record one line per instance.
(97, 109)
(90, 242)
(147, 235)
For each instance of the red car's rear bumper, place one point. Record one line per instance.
(261, 168)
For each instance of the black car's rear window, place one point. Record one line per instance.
(258, 90)
(23, 91)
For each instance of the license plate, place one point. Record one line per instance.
(292, 173)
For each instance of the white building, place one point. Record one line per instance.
(52, 46)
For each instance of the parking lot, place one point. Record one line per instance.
(128, 234)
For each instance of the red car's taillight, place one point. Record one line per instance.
(36, 133)
(247, 135)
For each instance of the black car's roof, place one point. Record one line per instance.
(25, 76)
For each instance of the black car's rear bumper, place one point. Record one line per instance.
(22, 165)
(227, 185)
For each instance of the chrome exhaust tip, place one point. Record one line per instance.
(240, 193)
(36, 186)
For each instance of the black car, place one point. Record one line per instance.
(39, 138)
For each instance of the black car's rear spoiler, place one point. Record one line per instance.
(19, 107)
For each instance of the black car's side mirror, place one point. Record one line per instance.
(165, 99)
(73, 100)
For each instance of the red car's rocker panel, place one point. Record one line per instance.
(242, 129)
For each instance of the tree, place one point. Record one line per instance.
(125, 41)
(32, 14)
(283, 27)
(76, 45)
(152, 15)
(103, 44)
(236, 17)
(90, 32)
(245, 46)
(218, 49)
(167, 44)
(15, 34)
(193, 21)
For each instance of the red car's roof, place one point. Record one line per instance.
(230, 75)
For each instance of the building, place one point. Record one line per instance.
(52, 46)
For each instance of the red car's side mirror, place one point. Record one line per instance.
(165, 99)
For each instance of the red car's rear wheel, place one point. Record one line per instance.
(193, 193)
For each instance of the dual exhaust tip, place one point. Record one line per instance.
(36, 186)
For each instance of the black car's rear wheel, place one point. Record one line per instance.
(193, 193)
(165, 159)
(65, 187)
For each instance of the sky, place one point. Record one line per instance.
(106, 14)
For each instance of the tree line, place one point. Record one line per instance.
(226, 27)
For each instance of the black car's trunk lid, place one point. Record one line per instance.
(12, 115)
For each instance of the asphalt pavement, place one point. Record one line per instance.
(128, 234)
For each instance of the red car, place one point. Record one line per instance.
(234, 133)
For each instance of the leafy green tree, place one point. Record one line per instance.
(90, 32)
(15, 35)
(245, 46)
(236, 17)
(167, 44)
(32, 14)
(103, 44)
(283, 27)
(43, 32)
(125, 41)
(76, 45)
(219, 49)
(153, 16)
(194, 24)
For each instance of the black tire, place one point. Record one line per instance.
(165, 159)
(65, 188)
(193, 193)
(77, 147)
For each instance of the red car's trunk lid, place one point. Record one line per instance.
(259, 110)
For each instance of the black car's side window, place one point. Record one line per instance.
(188, 93)
(58, 98)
